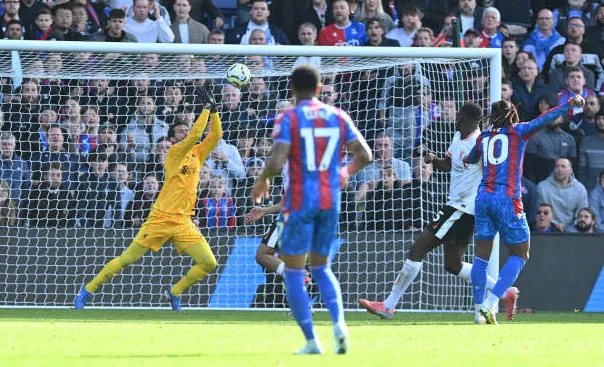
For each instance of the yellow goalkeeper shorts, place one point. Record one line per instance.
(161, 227)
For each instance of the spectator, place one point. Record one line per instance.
(591, 156)
(547, 146)
(232, 112)
(155, 164)
(140, 206)
(374, 9)
(81, 21)
(42, 26)
(564, 192)
(319, 14)
(424, 37)
(25, 113)
(55, 152)
(509, 50)
(216, 37)
(185, 28)
(545, 220)
(411, 20)
(97, 194)
(62, 21)
(572, 58)
(259, 102)
(574, 8)
(584, 124)
(471, 39)
(11, 12)
(153, 5)
(145, 29)
(226, 162)
(329, 95)
(490, 35)
(544, 38)
(444, 38)
(28, 10)
(434, 12)
(172, 101)
(245, 144)
(384, 202)
(376, 30)
(575, 84)
(594, 34)
(343, 32)
(126, 195)
(107, 143)
(530, 199)
(307, 36)
(528, 90)
(469, 14)
(218, 210)
(114, 32)
(14, 30)
(8, 207)
(50, 204)
(507, 92)
(383, 158)
(596, 200)
(259, 15)
(262, 147)
(590, 54)
(143, 130)
(13, 170)
(585, 223)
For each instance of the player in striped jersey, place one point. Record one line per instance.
(311, 137)
(499, 200)
(453, 225)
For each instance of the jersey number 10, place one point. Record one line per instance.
(309, 134)
(488, 149)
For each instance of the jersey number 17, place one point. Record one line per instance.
(309, 134)
(488, 149)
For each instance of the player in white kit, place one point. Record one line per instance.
(453, 225)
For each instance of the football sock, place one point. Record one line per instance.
(466, 274)
(479, 279)
(205, 263)
(508, 275)
(402, 282)
(130, 255)
(330, 291)
(298, 300)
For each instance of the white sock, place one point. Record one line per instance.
(491, 301)
(404, 279)
(466, 274)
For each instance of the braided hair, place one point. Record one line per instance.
(503, 114)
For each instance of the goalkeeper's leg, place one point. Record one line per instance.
(130, 255)
(205, 262)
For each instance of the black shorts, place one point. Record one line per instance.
(452, 226)
(271, 237)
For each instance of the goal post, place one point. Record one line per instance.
(90, 123)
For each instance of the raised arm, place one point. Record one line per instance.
(528, 129)
(209, 142)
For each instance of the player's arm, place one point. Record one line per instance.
(265, 257)
(208, 143)
(476, 153)
(260, 211)
(548, 117)
(441, 164)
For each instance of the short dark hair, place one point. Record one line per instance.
(506, 81)
(63, 6)
(173, 127)
(574, 69)
(546, 205)
(55, 165)
(117, 14)
(43, 10)
(13, 21)
(306, 78)
(97, 157)
(510, 39)
(377, 20)
(217, 31)
(411, 10)
(470, 114)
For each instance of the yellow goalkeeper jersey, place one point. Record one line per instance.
(183, 162)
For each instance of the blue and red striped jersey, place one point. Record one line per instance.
(566, 94)
(353, 35)
(502, 152)
(317, 134)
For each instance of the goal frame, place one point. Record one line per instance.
(494, 55)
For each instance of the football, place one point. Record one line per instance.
(238, 75)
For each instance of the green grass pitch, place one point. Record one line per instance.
(57, 337)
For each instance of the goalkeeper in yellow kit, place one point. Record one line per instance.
(170, 216)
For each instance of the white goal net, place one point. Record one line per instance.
(85, 129)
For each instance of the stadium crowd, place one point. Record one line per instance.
(89, 153)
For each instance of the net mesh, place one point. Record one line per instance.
(83, 144)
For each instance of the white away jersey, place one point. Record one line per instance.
(464, 182)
